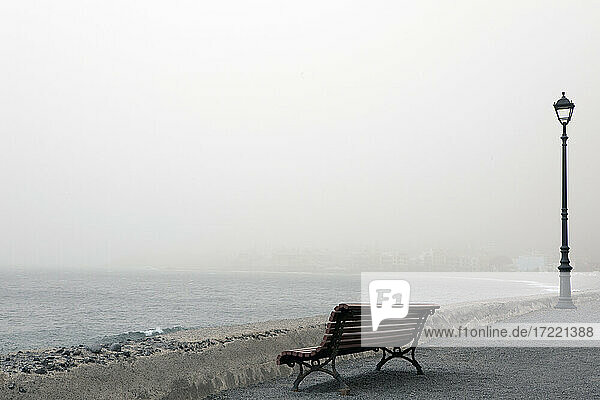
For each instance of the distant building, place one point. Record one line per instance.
(530, 263)
(469, 263)
(365, 259)
(501, 263)
(393, 260)
(439, 260)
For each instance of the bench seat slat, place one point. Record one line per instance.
(378, 344)
(384, 326)
(358, 320)
(357, 315)
(370, 334)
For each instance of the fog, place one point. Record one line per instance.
(181, 134)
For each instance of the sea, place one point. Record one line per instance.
(51, 308)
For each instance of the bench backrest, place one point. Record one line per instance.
(347, 322)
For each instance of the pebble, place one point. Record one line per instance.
(115, 347)
(95, 348)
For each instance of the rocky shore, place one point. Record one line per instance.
(62, 359)
(174, 365)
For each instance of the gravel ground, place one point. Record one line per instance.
(459, 373)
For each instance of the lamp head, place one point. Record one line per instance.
(564, 109)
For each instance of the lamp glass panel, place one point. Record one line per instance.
(563, 113)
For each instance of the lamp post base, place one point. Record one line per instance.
(564, 299)
(566, 304)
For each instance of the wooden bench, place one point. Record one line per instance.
(343, 336)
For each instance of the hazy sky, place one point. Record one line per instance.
(180, 132)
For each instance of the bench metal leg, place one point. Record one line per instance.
(300, 377)
(383, 360)
(317, 366)
(345, 388)
(398, 353)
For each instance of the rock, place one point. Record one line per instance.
(11, 385)
(41, 371)
(115, 347)
(77, 352)
(126, 353)
(95, 348)
(26, 369)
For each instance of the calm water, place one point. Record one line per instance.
(51, 308)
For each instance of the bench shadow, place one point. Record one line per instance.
(383, 381)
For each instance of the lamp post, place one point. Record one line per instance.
(564, 111)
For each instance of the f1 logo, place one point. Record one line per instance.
(388, 299)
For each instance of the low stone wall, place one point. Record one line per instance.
(490, 311)
(228, 357)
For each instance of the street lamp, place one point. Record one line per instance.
(564, 111)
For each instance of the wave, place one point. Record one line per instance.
(137, 335)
